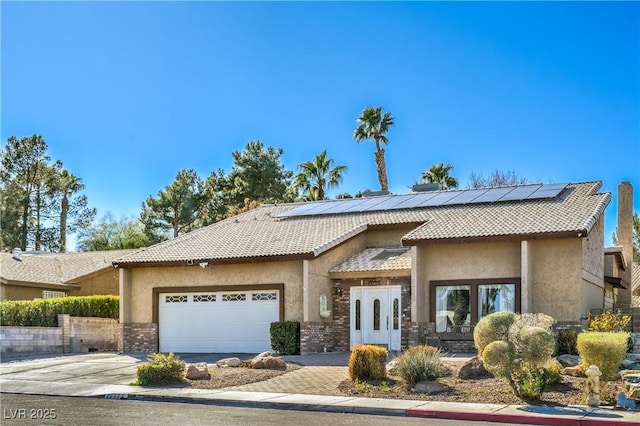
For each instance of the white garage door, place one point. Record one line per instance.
(223, 322)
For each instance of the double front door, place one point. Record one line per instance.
(376, 316)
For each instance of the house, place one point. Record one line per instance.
(395, 270)
(35, 275)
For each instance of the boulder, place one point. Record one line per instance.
(473, 369)
(567, 360)
(429, 387)
(229, 362)
(269, 362)
(263, 355)
(198, 371)
(575, 371)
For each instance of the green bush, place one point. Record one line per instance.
(420, 363)
(566, 340)
(368, 362)
(285, 337)
(491, 328)
(44, 312)
(605, 350)
(161, 369)
(609, 322)
(522, 345)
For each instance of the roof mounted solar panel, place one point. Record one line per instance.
(339, 207)
(439, 199)
(519, 193)
(393, 203)
(548, 191)
(466, 196)
(367, 205)
(493, 195)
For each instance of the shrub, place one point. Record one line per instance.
(566, 340)
(420, 363)
(491, 328)
(368, 362)
(609, 322)
(285, 337)
(605, 350)
(160, 369)
(522, 345)
(44, 312)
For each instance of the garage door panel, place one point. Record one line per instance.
(217, 322)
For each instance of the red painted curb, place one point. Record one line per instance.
(516, 418)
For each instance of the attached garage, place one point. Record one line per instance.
(217, 321)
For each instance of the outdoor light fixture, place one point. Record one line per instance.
(204, 264)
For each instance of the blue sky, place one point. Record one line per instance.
(126, 94)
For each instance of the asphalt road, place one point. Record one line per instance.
(55, 410)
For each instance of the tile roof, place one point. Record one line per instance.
(374, 259)
(259, 234)
(574, 211)
(55, 268)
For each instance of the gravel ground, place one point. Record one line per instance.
(484, 390)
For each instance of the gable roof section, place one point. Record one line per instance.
(389, 259)
(55, 268)
(572, 213)
(266, 234)
(259, 235)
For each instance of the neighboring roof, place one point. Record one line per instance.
(260, 235)
(618, 253)
(55, 268)
(394, 259)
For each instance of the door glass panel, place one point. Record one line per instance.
(396, 314)
(496, 298)
(453, 308)
(376, 314)
(357, 314)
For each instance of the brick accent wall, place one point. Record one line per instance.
(342, 311)
(318, 337)
(138, 338)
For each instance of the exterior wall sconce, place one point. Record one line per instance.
(324, 311)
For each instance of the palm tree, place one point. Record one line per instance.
(373, 125)
(69, 184)
(316, 175)
(439, 173)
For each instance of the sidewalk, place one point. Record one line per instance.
(108, 375)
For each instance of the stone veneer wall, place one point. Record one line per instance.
(138, 338)
(93, 334)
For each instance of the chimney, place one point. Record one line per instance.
(625, 239)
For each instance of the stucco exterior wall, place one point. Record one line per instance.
(592, 254)
(453, 261)
(105, 282)
(386, 238)
(17, 292)
(556, 272)
(316, 280)
(143, 280)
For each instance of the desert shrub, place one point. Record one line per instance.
(44, 312)
(609, 322)
(536, 345)
(521, 349)
(420, 363)
(605, 350)
(285, 337)
(160, 369)
(368, 362)
(491, 328)
(566, 340)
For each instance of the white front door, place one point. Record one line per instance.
(376, 316)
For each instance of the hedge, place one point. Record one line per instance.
(44, 312)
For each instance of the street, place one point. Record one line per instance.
(54, 410)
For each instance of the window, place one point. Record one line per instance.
(234, 297)
(357, 314)
(396, 314)
(50, 294)
(376, 314)
(457, 305)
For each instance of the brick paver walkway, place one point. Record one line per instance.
(314, 380)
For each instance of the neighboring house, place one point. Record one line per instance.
(36, 275)
(396, 270)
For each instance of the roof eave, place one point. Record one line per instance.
(515, 237)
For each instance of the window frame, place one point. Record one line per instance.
(474, 284)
